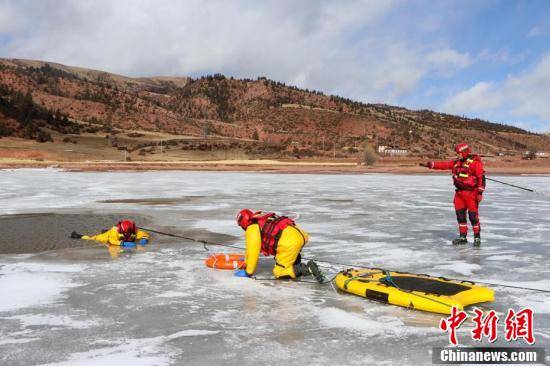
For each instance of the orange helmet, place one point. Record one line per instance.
(463, 149)
(244, 218)
(127, 229)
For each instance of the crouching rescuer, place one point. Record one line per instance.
(469, 181)
(279, 236)
(125, 234)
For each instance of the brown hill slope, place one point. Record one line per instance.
(283, 119)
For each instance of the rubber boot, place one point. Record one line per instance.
(477, 241)
(460, 240)
(315, 271)
(301, 269)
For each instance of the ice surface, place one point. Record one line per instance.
(31, 284)
(162, 306)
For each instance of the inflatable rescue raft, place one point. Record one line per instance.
(414, 291)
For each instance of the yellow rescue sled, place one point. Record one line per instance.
(414, 291)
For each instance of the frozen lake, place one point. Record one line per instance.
(162, 306)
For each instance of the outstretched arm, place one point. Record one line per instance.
(439, 165)
(253, 246)
(108, 237)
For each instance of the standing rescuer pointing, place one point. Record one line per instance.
(469, 181)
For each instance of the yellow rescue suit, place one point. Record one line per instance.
(112, 237)
(288, 247)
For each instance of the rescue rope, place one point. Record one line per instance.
(448, 278)
(206, 243)
(276, 279)
(511, 185)
(202, 241)
(535, 191)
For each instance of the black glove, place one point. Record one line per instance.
(75, 235)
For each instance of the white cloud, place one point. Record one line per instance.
(480, 97)
(530, 91)
(337, 47)
(524, 95)
(448, 60)
(9, 21)
(501, 56)
(538, 31)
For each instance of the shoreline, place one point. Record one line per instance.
(267, 166)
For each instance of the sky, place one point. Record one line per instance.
(486, 59)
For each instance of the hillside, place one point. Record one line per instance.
(259, 118)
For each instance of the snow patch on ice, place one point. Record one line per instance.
(336, 318)
(28, 320)
(40, 267)
(462, 268)
(133, 352)
(34, 284)
(171, 294)
(540, 305)
(191, 333)
(31, 289)
(128, 354)
(224, 316)
(505, 258)
(379, 235)
(7, 341)
(539, 302)
(217, 226)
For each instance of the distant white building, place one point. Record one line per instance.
(542, 154)
(381, 148)
(392, 151)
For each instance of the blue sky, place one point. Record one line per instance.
(488, 59)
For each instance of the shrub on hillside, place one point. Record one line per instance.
(42, 136)
(370, 157)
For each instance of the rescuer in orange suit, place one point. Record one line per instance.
(469, 181)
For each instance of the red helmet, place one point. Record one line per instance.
(463, 149)
(127, 229)
(244, 218)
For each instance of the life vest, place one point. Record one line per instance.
(462, 176)
(271, 228)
